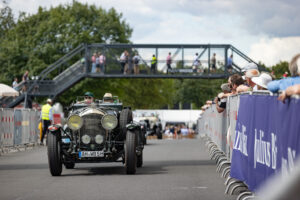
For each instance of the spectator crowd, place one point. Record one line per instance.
(254, 80)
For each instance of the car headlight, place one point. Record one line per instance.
(109, 122)
(75, 122)
(99, 139)
(86, 139)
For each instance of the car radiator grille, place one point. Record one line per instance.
(92, 125)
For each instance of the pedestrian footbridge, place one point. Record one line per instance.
(77, 65)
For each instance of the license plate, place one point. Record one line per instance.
(90, 154)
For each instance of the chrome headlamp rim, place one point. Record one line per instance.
(80, 122)
(115, 121)
(86, 139)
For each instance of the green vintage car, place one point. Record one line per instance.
(96, 132)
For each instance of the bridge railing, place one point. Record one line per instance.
(18, 127)
(183, 57)
(258, 135)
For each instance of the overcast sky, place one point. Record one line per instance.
(267, 31)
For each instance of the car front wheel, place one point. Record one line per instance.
(130, 152)
(54, 154)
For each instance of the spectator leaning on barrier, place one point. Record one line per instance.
(292, 90)
(46, 115)
(283, 84)
(262, 81)
(236, 80)
(222, 106)
(250, 84)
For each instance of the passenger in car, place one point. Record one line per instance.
(107, 98)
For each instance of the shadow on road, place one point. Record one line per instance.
(24, 166)
(113, 170)
(149, 168)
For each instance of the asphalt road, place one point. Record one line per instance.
(173, 169)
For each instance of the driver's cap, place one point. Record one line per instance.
(107, 96)
(89, 94)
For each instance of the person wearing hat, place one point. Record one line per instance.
(249, 66)
(250, 73)
(107, 98)
(47, 118)
(221, 102)
(88, 97)
(262, 81)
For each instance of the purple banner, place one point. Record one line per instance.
(267, 138)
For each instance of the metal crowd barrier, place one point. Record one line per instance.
(18, 127)
(220, 132)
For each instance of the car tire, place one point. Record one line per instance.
(125, 118)
(69, 165)
(139, 162)
(130, 152)
(54, 154)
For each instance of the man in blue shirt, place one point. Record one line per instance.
(229, 63)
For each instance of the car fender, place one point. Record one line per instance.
(54, 128)
(133, 126)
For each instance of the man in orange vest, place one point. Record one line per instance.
(46, 118)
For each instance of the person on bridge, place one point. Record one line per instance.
(136, 60)
(229, 63)
(196, 63)
(153, 64)
(213, 63)
(102, 60)
(94, 63)
(46, 115)
(169, 62)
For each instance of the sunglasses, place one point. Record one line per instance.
(88, 97)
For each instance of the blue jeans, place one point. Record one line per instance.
(93, 67)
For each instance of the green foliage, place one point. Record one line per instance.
(138, 93)
(36, 41)
(280, 68)
(197, 91)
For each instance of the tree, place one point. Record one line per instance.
(280, 68)
(6, 20)
(197, 91)
(38, 40)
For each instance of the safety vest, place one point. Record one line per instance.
(153, 61)
(45, 112)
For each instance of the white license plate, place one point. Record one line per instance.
(90, 154)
